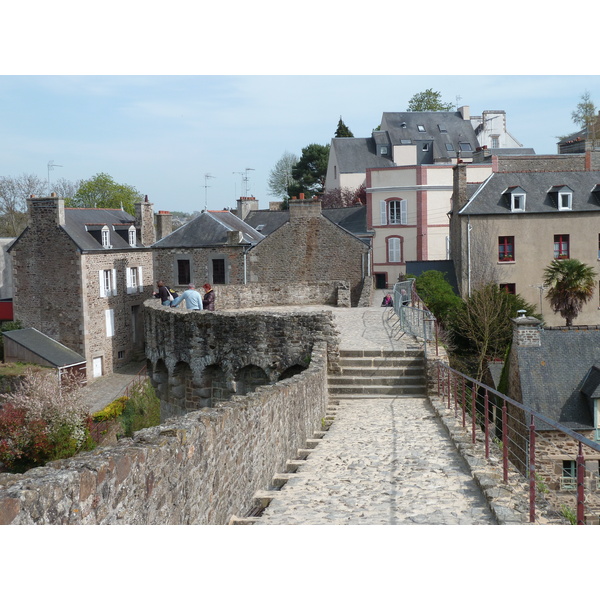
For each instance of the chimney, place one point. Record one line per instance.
(526, 331)
(164, 224)
(244, 205)
(459, 193)
(304, 208)
(465, 112)
(234, 237)
(144, 221)
(46, 210)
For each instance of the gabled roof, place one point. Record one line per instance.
(490, 197)
(356, 155)
(209, 229)
(45, 347)
(553, 376)
(84, 224)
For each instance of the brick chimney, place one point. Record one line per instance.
(244, 205)
(459, 194)
(526, 331)
(144, 221)
(164, 224)
(304, 208)
(46, 210)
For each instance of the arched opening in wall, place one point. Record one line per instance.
(291, 371)
(249, 378)
(181, 387)
(213, 387)
(159, 376)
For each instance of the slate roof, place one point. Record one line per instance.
(493, 195)
(83, 225)
(439, 128)
(553, 375)
(352, 219)
(209, 229)
(356, 155)
(45, 347)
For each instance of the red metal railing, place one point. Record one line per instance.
(531, 447)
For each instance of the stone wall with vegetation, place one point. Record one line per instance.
(202, 468)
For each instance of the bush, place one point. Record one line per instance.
(112, 411)
(142, 409)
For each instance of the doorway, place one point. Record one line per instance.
(97, 367)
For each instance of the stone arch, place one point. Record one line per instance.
(159, 376)
(291, 371)
(181, 388)
(248, 378)
(213, 386)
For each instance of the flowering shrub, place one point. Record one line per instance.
(44, 419)
(112, 411)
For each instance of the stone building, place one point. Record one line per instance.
(512, 216)
(556, 372)
(81, 275)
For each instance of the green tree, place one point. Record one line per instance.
(280, 177)
(310, 171)
(342, 130)
(437, 293)
(101, 191)
(571, 284)
(428, 101)
(585, 115)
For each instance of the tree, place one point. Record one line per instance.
(66, 189)
(437, 293)
(14, 192)
(280, 177)
(572, 284)
(310, 171)
(343, 197)
(101, 191)
(342, 130)
(585, 115)
(428, 101)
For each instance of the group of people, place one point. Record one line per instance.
(193, 299)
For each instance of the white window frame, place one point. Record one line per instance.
(109, 317)
(517, 202)
(394, 248)
(402, 210)
(105, 233)
(134, 281)
(568, 205)
(132, 235)
(108, 282)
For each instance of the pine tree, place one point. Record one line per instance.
(342, 130)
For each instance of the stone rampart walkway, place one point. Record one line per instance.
(384, 461)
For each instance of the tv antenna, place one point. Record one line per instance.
(51, 166)
(207, 176)
(540, 287)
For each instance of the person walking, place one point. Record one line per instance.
(193, 300)
(163, 293)
(209, 297)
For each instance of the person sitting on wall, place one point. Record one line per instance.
(193, 300)
(388, 301)
(163, 293)
(209, 297)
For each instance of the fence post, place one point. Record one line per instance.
(449, 387)
(464, 403)
(580, 487)
(532, 470)
(473, 413)
(504, 442)
(486, 424)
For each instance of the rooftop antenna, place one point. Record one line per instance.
(246, 180)
(207, 176)
(458, 99)
(51, 166)
(540, 287)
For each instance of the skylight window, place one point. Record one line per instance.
(420, 127)
(450, 147)
(465, 146)
(442, 128)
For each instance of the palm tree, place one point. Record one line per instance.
(571, 285)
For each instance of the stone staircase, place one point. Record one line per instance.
(374, 373)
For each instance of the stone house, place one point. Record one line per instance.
(81, 276)
(507, 225)
(407, 169)
(6, 287)
(556, 372)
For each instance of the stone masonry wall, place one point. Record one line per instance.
(200, 469)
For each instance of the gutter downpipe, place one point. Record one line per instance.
(469, 229)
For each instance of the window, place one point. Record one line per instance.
(509, 288)
(506, 248)
(561, 246)
(442, 129)
(425, 148)
(109, 316)
(108, 282)
(106, 237)
(183, 272)
(394, 249)
(397, 211)
(449, 147)
(121, 354)
(132, 236)
(421, 128)
(517, 202)
(405, 142)
(564, 201)
(135, 283)
(495, 141)
(465, 146)
(568, 481)
(384, 149)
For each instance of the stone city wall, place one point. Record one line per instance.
(202, 468)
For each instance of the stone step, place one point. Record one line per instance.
(370, 372)
(381, 362)
(376, 391)
(341, 380)
(380, 353)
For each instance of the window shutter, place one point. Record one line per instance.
(114, 282)
(102, 290)
(403, 218)
(383, 212)
(140, 280)
(110, 322)
(128, 279)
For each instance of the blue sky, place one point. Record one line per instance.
(160, 98)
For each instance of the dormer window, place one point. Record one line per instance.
(517, 198)
(564, 201)
(132, 236)
(384, 149)
(106, 237)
